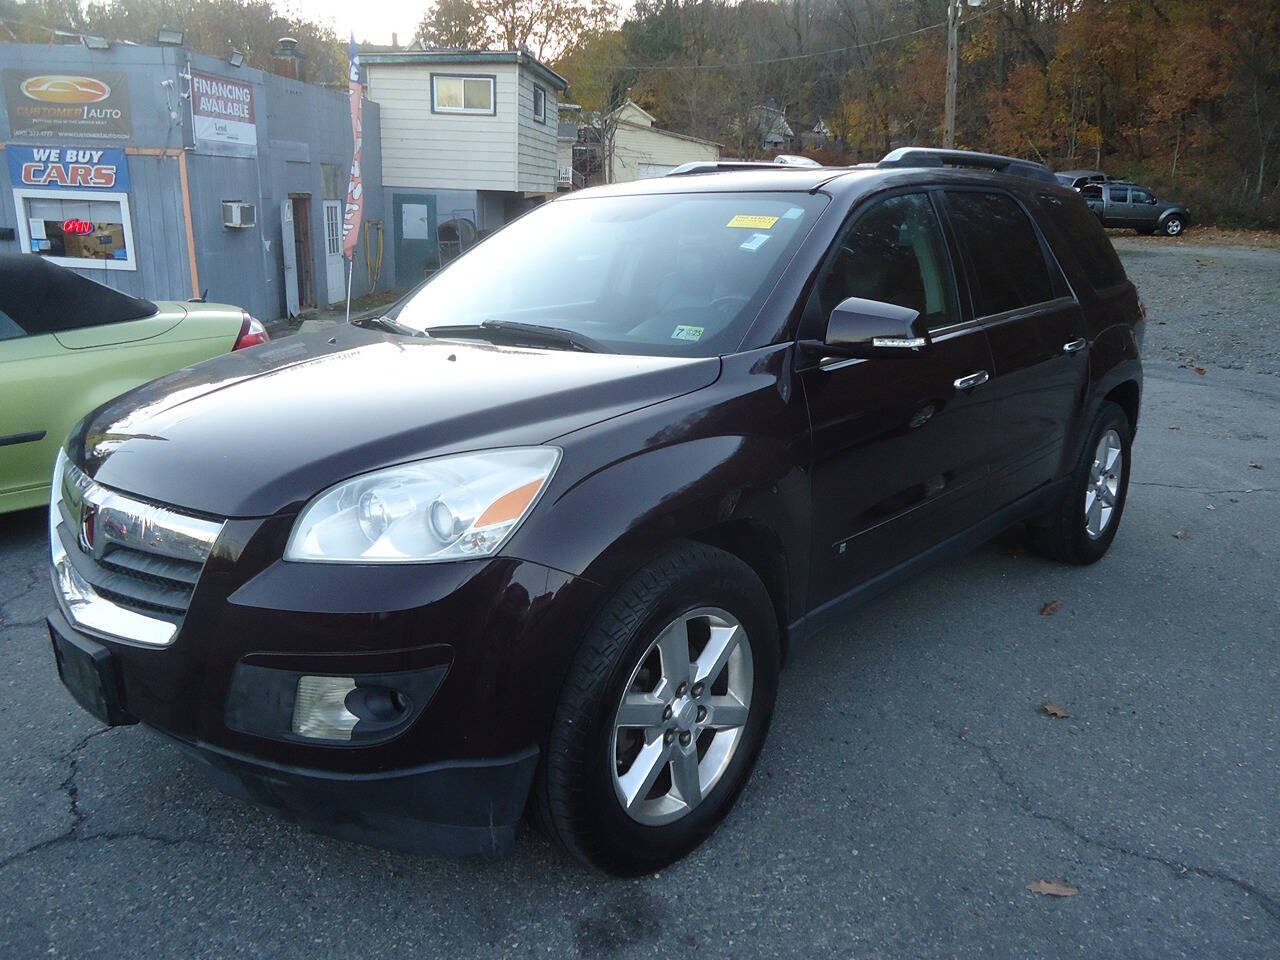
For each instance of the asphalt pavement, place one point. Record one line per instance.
(911, 789)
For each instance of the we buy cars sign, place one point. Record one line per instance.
(222, 111)
(78, 168)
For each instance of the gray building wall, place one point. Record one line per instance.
(303, 147)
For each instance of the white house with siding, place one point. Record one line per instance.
(642, 150)
(468, 143)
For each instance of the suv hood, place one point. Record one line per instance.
(263, 430)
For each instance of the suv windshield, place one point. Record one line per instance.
(680, 274)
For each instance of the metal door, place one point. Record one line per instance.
(335, 281)
(417, 249)
(288, 254)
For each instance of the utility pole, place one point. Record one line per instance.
(953, 41)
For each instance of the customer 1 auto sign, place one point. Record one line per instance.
(67, 106)
(94, 168)
(222, 112)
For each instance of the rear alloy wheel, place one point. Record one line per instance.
(1080, 528)
(662, 713)
(1173, 227)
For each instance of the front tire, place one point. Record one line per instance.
(1080, 528)
(1173, 227)
(663, 713)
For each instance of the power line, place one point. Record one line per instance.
(794, 57)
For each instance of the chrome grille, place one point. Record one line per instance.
(122, 567)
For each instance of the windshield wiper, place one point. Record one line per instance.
(527, 333)
(389, 325)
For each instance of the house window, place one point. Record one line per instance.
(77, 228)
(539, 104)
(457, 94)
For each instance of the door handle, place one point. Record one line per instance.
(972, 380)
(1075, 345)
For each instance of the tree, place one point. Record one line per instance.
(456, 24)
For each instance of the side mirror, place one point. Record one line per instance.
(869, 328)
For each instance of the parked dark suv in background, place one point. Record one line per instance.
(1123, 204)
(548, 536)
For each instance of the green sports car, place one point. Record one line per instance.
(68, 344)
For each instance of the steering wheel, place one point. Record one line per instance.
(720, 303)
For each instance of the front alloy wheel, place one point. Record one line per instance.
(1173, 226)
(682, 715)
(662, 713)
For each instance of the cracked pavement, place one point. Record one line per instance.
(910, 789)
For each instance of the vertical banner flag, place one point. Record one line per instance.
(355, 186)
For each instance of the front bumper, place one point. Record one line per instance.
(496, 637)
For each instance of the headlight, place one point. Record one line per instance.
(448, 508)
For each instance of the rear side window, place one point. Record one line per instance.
(1087, 241)
(1119, 194)
(1003, 250)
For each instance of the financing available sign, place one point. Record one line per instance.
(222, 111)
(67, 105)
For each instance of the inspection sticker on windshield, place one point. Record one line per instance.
(754, 242)
(751, 221)
(687, 333)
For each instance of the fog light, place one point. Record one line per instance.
(320, 708)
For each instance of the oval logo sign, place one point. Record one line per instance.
(60, 88)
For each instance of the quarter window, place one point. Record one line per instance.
(893, 253)
(455, 94)
(77, 229)
(1003, 250)
(1086, 240)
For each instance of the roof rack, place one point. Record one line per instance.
(721, 166)
(936, 157)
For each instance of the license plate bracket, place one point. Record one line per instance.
(88, 671)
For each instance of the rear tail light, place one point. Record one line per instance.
(252, 333)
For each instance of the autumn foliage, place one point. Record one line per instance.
(1183, 95)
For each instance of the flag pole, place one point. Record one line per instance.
(351, 269)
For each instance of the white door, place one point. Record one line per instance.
(334, 279)
(289, 256)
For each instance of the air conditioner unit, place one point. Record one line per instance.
(237, 215)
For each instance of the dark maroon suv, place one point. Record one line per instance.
(545, 538)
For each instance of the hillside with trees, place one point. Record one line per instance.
(1183, 95)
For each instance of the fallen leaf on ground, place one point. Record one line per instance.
(1050, 608)
(1181, 535)
(1199, 370)
(1255, 465)
(1052, 889)
(1053, 710)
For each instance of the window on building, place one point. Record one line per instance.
(77, 229)
(1007, 261)
(539, 104)
(456, 94)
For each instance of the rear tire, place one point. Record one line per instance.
(688, 600)
(1080, 528)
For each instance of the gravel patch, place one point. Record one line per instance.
(1208, 305)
